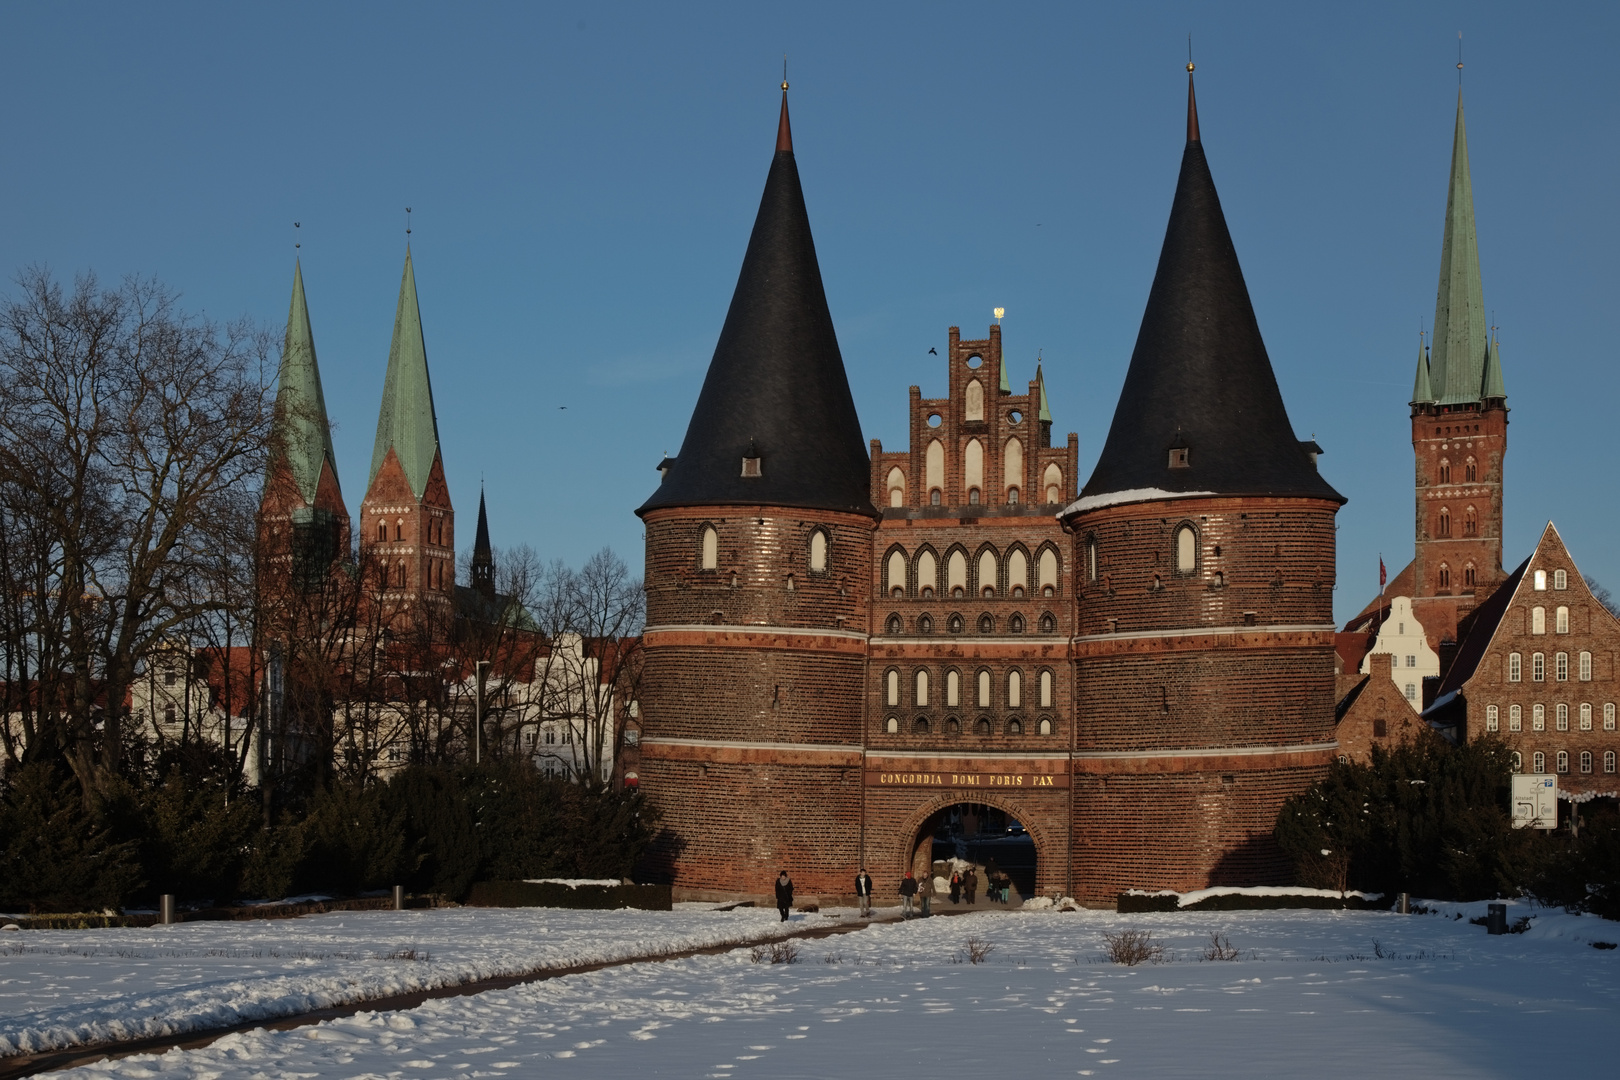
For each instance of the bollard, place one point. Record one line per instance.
(1403, 903)
(399, 898)
(1496, 919)
(166, 909)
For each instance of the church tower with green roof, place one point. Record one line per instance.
(303, 522)
(407, 522)
(1459, 428)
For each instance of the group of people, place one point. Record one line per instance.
(964, 887)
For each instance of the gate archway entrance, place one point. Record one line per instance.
(990, 840)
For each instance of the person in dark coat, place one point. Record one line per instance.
(863, 891)
(908, 892)
(970, 885)
(956, 886)
(784, 894)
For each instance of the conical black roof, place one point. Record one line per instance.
(1200, 377)
(481, 548)
(776, 388)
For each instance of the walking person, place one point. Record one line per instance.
(926, 891)
(956, 886)
(784, 894)
(970, 885)
(908, 893)
(863, 892)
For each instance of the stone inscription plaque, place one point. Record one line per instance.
(1014, 781)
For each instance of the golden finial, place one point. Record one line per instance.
(1189, 54)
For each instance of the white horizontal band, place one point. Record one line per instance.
(1233, 751)
(1192, 631)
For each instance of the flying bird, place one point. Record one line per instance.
(933, 352)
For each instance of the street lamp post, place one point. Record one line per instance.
(478, 713)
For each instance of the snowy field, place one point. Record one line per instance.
(1313, 994)
(63, 987)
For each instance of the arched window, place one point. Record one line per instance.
(1538, 717)
(933, 497)
(399, 575)
(818, 552)
(1586, 716)
(956, 624)
(1445, 576)
(1186, 550)
(1518, 762)
(1017, 572)
(953, 726)
(1561, 666)
(1468, 576)
(1538, 620)
(1015, 689)
(892, 725)
(1608, 716)
(1445, 522)
(1046, 689)
(1608, 761)
(922, 688)
(1047, 567)
(927, 574)
(1491, 718)
(897, 487)
(1052, 480)
(1470, 522)
(1015, 726)
(895, 573)
(1561, 620)
(1561, 716)
(1048, 623)
(987, 573)
(925, 624)
(1540, 579)
(1515, 718)
(987, 623)
(953, 688)
(382, 532)
(399, 529)
(919, 726)
(984, 689)
(892, 688)
(1015, 625)
(1538, 762)
(1586, 667)
(982, 726)
(973, 401)
(1445, 471)
(1045, 726)
(1091, 557)
(1470, 470)
(1538, 667)
(934, 469)
(1514, 667)
(956, 573)
(1563, 761)
(1560, 580)
(973, 469)
(1012, 468)
(710, 548)
(1586, 761)
(895, 625)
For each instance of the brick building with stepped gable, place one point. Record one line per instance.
(1139, 676)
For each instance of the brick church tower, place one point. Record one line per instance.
(1459, 429)
(407, 524)
(303, 523)
(759, 554)
(1204, 543)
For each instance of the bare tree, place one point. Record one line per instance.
(1602, 595)
(127, 429)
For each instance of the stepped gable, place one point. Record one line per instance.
(303, 437)
(1200, 377)
(407, 423)
(776, 389)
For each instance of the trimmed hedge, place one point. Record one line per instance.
(1126, 903)
(552, 894)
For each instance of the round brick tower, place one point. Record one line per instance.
(759, 552)
(1205, 546)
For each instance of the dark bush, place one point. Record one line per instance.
(353, 841)
(440, 844)
(1425, 818)
(195, 840)
(1582, 873)
(57, 854)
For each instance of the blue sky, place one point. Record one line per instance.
(584, 178)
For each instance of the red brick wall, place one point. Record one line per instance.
(421, 532)
(1454, 435)
(1380, 715)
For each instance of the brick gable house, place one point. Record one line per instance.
(1376, 712)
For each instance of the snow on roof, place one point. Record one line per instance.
(1129, 495)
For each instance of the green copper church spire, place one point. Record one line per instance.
(1493, 387)
(1458, 357)
(1046, 410)
(1421, 394)
(303, 437)
(407, 422)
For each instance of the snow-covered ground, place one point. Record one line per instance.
(63, 987)
(1314, 993)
